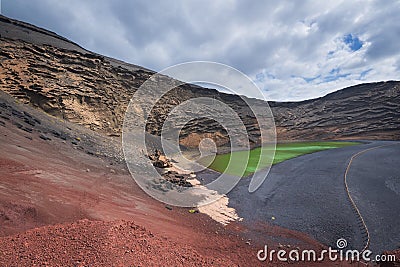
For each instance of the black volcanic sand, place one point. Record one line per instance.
(307, 194)
(374, 179)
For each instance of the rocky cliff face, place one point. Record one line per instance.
(363, 111)
(59, 77)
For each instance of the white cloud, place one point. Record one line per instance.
(297, 47)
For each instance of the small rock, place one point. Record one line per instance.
(193, 211)
(27, 129)
(5, 117)
(29, 121)
(19, 125)
(42, 136)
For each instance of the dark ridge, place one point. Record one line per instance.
(34, 28)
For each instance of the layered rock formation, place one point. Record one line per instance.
(59, 77)
(369, 111)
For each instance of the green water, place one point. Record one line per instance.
(284, 151)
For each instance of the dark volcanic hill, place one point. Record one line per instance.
(370, 110)
(45, 70)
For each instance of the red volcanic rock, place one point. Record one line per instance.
(97, 243)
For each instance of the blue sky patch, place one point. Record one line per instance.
(331, 78)
(260, 77)
(364, 73)
(353, 42)
(333, 75)
(310, 79)
(334, 71)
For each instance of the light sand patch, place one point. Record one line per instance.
(220, 212)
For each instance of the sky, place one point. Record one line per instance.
(293, 50)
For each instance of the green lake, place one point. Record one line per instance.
(284, 151)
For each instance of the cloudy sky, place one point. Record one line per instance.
(293, 50)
